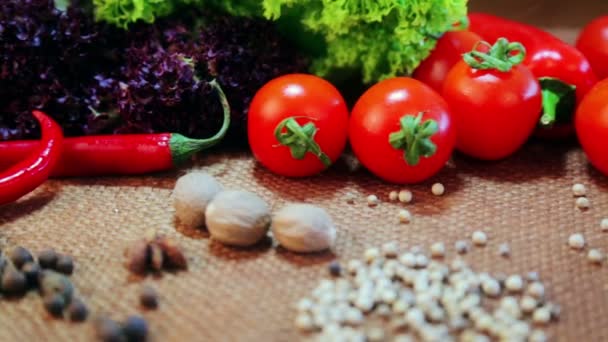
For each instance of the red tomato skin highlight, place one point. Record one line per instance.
(376, 115)
(310, 99)
(448, 51)
(591, 123)
(593, 43)
(495, 112)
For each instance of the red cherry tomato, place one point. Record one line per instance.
(591, 123)
(447, 53)
(593, 43)
(297, 125)
(495, 111)
(401, 130)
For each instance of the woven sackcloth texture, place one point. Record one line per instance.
(233, 294)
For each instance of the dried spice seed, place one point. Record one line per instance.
(462, 246)
(54, 305)
(541, 315)
(19, 256)
(65, 264)
(52, 283)
(405, 196)
(173, 257)
(404, 216)
(303, 228)
(78, 311)
(135, 328)
(595, 256)
(528, 304)
(108, 330)
(438, 189)
(138, 256)
(191, 196)
(604, 225)
(156, 257)
(479, 238)
(148, 297)
(304, 322)
(390, 249)
(579, 189)
(13, 282)
(582, 203)
(372, 200)
(536, 290)
(335, 269)
(514, 283)
(47, 259)
(576, 241)
(32, 272)
(393, 196)
(438, 250)
(504, 250)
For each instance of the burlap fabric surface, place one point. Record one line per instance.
(247, 294)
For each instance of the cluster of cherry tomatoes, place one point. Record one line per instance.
(468, 96)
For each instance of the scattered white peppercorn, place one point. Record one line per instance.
(514, 283)
(390, 249)
(536, 290)
(576, 241)
(579, 189)
(504, 250)
(528, 304)
(304, 322)
(404, 216)
(421, 260)
(375, 334)
(595, 256)
(537, 336)
(532, 276)
(393, 196)
(604, 224)
(438, 250)
(541, 315)
(479, 238)
(371, 254)
(350, 198)
(372, 200)
(408, 259)
(405, 196)
(582, 203)
(490, 287)
(438, 189)
(462, 246)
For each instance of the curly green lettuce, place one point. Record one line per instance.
(124, 12)
(376, 38)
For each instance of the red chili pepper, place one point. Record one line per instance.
(564, 73)
(121, 154)
(26, 175)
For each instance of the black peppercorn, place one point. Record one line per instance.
(13, 281)
(54, 305)
(78, 311)
(109, 330)
(135, 329)
(52, 283)
(148, 297)
(47, 259)
(335, 269)
(31, 271)
(19, 256)
(65, 264)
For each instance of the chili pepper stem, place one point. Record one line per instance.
(414, 138)
(183, 148)
(559, 101)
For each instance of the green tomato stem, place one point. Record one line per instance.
(300, 139)
(414, 138)
(502, 56)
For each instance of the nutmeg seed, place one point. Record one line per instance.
(237, 218)
(191, 195)
(303, 228)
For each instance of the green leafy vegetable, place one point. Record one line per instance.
(124, 12)
(379, 38)
(376, 38)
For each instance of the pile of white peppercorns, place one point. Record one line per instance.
(405, 296)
